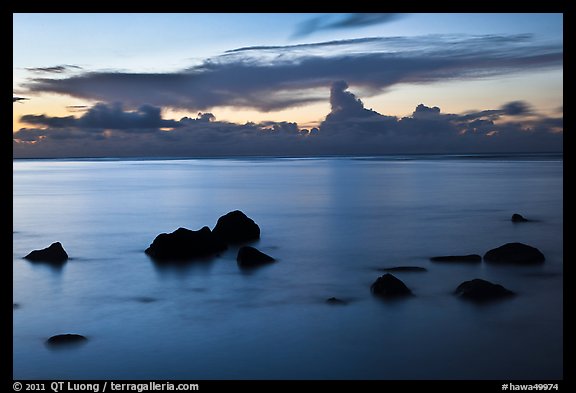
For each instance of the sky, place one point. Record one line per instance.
(197, 85)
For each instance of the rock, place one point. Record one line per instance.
(404, 269)
(515, 253)
(336, 301)
(518, 218)
(53, 254)
(479, 290)
(236, 227)
(185, 244)
(66, 339)
(251, 257)
(471, 258)
(389, 286)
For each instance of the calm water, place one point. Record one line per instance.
(331, 223)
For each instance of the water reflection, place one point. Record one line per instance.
(49, 266)
(182, 268)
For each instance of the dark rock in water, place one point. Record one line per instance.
(515, 253)
(336, 301)
(184, 244)
(481, 290)
(389, 286)
(236, 227)
(53, 254)
(66, 340)
(251, 257)
(518, 218)
(404, 269)
(458, 258)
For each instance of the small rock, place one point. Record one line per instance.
(471, 258)
(66, 339)
(481, 290)
(404, 269)
(236, 227)
(55, 253)
(515, 253)
(390, 286)
(518, 218)
(251, 257)
(336, 301)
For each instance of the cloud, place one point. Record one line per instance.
(202, 136)
(514, 108)
(346, 21)
(107, 117)
(274, 78)
(59, 69)
(425, 112)
(109, 130)
(309, 46)
(428, 130)
(77, 108)
(55, 122)
(19, 99)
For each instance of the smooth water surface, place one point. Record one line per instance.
(331, 223)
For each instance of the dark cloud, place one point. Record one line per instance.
(273, 78)
(48, 121)
(59, 69)
(425, 112)
(349, 128)
(364, 19)
(194, 137)
(103, 116)
(323, 45)
(345, 105)
(516, 108)
(345, 21)
(19, 99)
(205, 117)
(25, 135)
(428, 130)
(77, 108)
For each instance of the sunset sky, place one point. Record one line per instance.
(93, 85)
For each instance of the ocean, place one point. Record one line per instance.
(332, 223)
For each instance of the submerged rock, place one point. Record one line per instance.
(518, 218)
(404, 269)
(336, 301)
(471, 258)
(515, 253)
(251, 257)
(185, 244)
(145, 299)
(481, 290)
(55, 253)
(390, 286)
(66, 340)
(236, 227)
